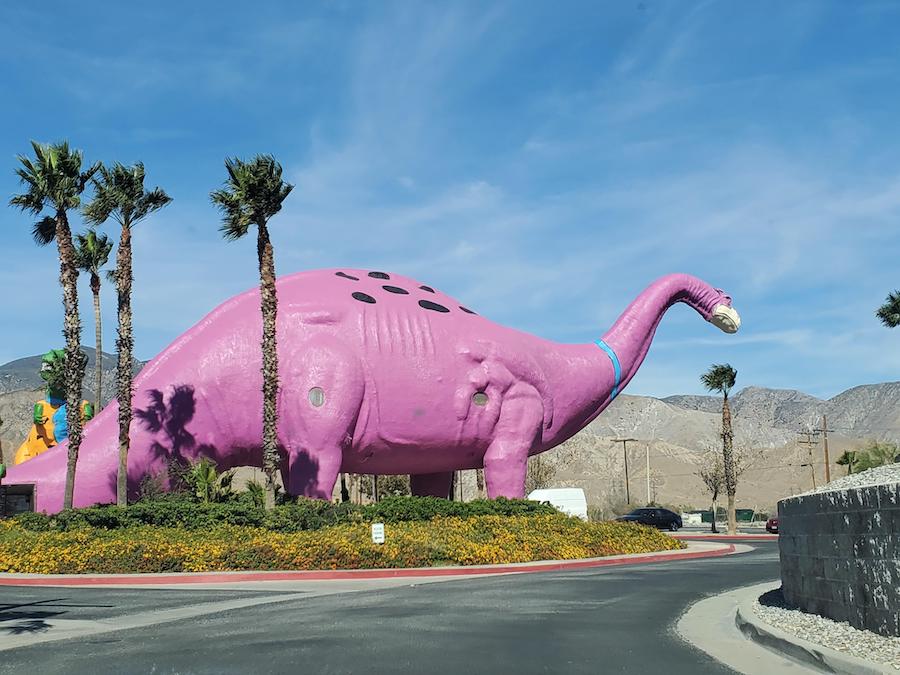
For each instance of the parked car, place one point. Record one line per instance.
(772, 525)
(662, 518)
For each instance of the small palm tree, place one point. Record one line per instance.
(54, 180)
(889, 312)
(850, 459)
(721, 378)
(254, 192)
(92, 251)
(120, 195)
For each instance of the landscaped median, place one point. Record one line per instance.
(415, 536)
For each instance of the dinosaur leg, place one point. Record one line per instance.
(517, 430)
(312, 474)
(322, 391)
(431, 484)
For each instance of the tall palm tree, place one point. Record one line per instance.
(721, 378)
(119, 194)
(92, 252)
(889, 312)
(254, 192)
(54, 180)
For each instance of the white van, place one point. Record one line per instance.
(570, 501)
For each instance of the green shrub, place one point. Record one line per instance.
(299, 515)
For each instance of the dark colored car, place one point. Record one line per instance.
(662, 518)
(772, 525)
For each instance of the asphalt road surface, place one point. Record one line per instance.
(602, 620)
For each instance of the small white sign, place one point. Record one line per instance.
(377, 533)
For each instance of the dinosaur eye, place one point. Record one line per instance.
(480, 398)
(317, 397)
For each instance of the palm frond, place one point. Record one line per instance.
(44, 231)
(253, 192)
(889, 312)
(119, 193)
(92, 251)
(720, 378)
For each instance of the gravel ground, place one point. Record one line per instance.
(843, 637)
(889, 473)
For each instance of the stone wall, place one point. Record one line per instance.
(840, 555)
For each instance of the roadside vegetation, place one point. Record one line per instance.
(181, 535)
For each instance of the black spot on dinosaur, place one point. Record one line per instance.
(346, 276)
(396, 289)
(467, 310)
(379, 275)
(427, 288)
(362, 297)
(433, 306)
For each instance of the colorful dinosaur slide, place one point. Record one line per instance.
(378, 374)
(50, 426)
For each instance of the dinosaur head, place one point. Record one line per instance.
(724, 316)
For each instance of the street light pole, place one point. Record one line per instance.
(624, 442)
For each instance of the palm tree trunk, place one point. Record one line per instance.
(98, 342)
(714, 507)
(74, 369)
(728, 461)
(124, 358)
(269, 307)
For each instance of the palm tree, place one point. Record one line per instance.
(253, 193)
(721, 378)
(850, 459)
(120, 194)
(54, 180)
(889, 312)
(92, 253)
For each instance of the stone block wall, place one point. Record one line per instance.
(840, 555)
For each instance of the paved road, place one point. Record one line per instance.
(603, 620)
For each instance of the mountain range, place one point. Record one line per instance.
(677, 433)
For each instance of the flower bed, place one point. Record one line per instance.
(440, 541)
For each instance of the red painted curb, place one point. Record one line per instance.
(313, 575)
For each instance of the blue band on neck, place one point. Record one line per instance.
(616, 367)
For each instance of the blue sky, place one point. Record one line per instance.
(542, 162)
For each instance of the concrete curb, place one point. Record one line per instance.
(694, 552)
(818, 656)
(725, 537)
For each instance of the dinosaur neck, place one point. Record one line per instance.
(630, 337)
(584, 378)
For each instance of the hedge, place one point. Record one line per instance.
(301, 515)
(440, 540)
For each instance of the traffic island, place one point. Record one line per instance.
(828, 646)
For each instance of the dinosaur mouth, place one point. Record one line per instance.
(726, 319)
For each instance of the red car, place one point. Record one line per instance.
(772, 525)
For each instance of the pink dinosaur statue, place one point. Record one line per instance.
(379, 374)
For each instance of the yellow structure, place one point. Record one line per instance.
(49, 416)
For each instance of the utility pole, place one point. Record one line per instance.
(825, 431)
(624, 442)
(648, 473)
(809, 442)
